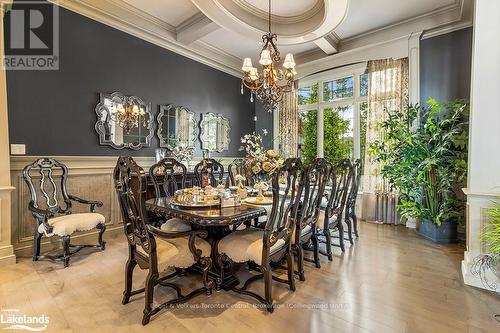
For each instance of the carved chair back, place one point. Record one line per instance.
(48, 192)
(166, 175)
(356, 178)
(237, 167)
(212, 168)
(314, 179)
(130, 185)
(283, 215)
(339, 180)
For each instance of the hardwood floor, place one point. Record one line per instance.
(389, 281)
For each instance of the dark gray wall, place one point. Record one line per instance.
(445, 66)
(264, 121)
(52, 112)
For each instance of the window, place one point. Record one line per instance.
(363, 85)
(334, 103)
(338, 89)
(308, 95)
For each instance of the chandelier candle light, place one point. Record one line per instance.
(129, 115)
(269, 85)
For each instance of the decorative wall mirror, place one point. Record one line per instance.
(176, 127)
(124, 121)
(214, 134)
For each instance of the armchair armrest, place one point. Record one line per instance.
(92, 203)
(42, 215)
(181, 234)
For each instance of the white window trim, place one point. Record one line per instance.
(356, 71)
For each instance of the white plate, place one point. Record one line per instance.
(254, 201)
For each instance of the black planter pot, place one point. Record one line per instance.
(443, 234)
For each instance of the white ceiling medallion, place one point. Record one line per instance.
(294, 23)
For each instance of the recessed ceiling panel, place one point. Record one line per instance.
(285, 8)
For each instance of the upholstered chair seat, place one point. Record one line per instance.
(175, 252)
(175, 225)
(304, 231)
(246, 245)
(66, 225)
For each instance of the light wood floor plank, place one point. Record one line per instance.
(390, 280)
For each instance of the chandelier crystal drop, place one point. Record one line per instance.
(129, 115)
(270, 84)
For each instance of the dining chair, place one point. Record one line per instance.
(52, 209)
(337, 191)
(261, 247)
(237, 167)
(152, 248)
(314, 180)
(168, 176)
(350, 209)
(213, 169)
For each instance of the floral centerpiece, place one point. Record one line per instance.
(260, 162)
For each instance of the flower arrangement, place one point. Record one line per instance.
(259, 161)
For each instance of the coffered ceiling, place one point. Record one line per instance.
(222, 32)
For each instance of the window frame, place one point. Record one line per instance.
(355, 71)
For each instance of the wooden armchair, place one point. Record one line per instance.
(261, 247)
(237, 167)
(314, 180)
(51, 207)
(339, 185)
(350, 208)
(151, 248)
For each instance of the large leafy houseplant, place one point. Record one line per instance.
(426, 163)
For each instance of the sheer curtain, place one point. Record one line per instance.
(289, 124)
(387, 89)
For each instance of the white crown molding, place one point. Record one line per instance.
(231, 16)
(445, 16)
(312, 12)
(120, 15)
(194, 28)
(447, 19)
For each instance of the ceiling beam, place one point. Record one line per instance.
(329, 44)
(195, 28)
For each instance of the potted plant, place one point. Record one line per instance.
(427, 164)
(490, 262)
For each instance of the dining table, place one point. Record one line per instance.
(217, 221)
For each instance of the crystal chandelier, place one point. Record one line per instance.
(272, 82)
(129, 114)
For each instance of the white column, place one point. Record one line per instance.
(414, 66)
(6, 250)
(484, 136)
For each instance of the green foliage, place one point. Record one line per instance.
(310, 135)
(426, 164)
(491, 233)
(336, 146)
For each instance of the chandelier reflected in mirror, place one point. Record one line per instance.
(270, 84)
(129, 114)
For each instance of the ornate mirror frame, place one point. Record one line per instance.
(101, 108)
(224, 122)
(164, 109)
